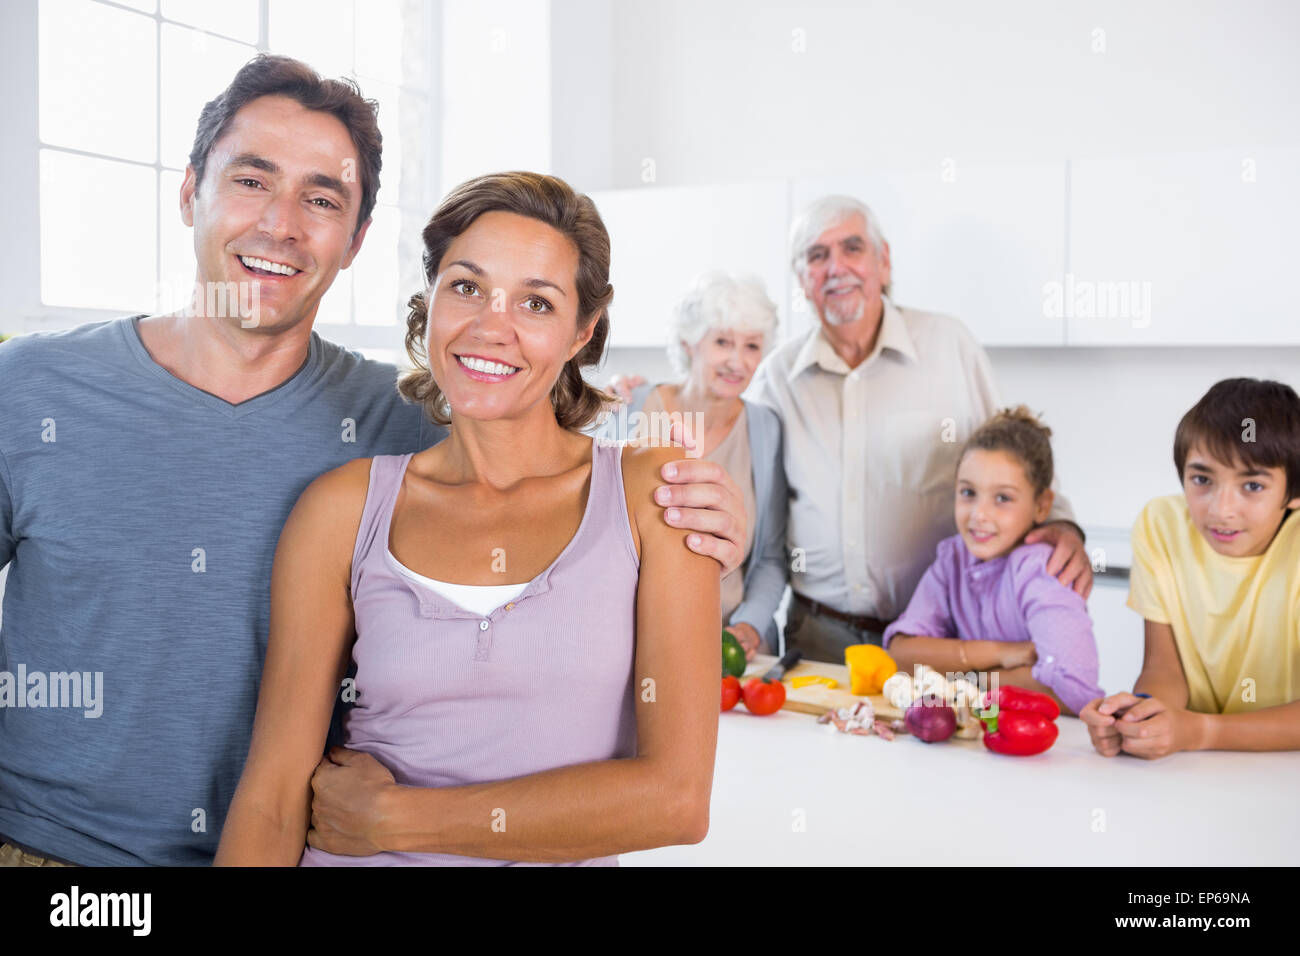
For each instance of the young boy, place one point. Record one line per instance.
(1216, 575)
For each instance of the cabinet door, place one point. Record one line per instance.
(1119, 634)
(1184, 249)
(978, 242)
(662, 237)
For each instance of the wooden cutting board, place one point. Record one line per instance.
(816, 699)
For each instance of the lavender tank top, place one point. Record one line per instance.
(447, 697)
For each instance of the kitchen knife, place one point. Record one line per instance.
(784, 664)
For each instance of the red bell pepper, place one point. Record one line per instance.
(1019, 722)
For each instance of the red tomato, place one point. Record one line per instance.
(730, 692)
(763, 697)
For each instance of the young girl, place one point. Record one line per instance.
(992, 593)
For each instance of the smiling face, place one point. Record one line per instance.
(503, 317)
(276, 210)
(1237, 508)
(724, 361)
(996, 505)
(844, 274)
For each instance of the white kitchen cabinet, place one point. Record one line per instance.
(1184, 249)
(979, 242)
(662, 237)
(1119, 634)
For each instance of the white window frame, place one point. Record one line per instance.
(20, 269)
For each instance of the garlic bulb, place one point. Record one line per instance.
(898, 690)
(965, 693)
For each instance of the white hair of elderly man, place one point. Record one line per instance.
(823, 214)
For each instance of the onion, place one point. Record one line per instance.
(930, 719)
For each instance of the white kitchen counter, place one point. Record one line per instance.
(867, 801)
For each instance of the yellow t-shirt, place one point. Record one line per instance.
(1236, 621)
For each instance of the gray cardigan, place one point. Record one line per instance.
(766, 569)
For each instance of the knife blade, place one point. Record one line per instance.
(784, 664)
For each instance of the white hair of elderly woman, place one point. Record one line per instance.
(823, 214)
(719, 300)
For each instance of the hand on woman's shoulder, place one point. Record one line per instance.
(642, 466)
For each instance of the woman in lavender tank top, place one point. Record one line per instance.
(535, 647)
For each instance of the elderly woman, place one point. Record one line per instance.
(721, 329)
(536, 648)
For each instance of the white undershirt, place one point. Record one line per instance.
(478, 598)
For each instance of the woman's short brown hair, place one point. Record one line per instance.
(550, 200)
(1019, 433)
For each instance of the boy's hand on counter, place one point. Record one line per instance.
(1142, 726)
(1099, 717)
(1069, 562)
(1152, 729)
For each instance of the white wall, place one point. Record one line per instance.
(583, 58)
(496, 89)
(716, 93)
(1113, 413)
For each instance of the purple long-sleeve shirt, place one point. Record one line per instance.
(1011, 598)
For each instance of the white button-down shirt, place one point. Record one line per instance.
(871, 454)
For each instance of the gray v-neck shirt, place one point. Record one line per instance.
(139, 516)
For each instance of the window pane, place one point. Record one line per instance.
(319, 32)
(391, 356)
(98, 79)
(404, 124)
(145, 6)
(380, 293)
(390, 127)
(98, 237)
(176, 246)
(233, 18)
(195, 67)
(380, 29)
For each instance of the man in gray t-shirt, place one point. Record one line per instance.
(147, 465)
(141, 514)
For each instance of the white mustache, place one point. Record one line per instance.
(839, 286)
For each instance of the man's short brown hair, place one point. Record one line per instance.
(269, 75)
(1248, 420)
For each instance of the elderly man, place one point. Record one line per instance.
(147, 465)
(876, 403)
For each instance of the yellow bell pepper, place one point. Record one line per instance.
(869, 667)
(803, 680)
